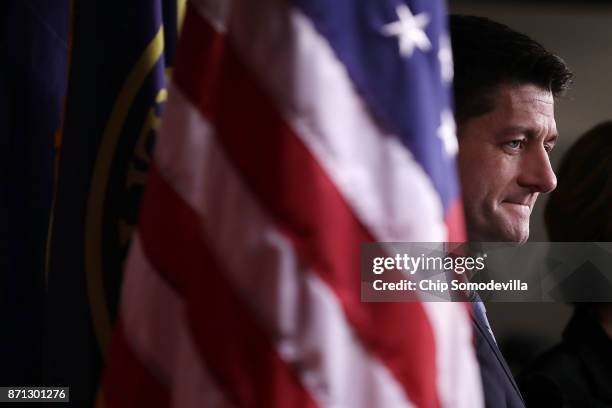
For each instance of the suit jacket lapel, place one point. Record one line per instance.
(483, 331)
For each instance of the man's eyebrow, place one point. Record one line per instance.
(515, 130)
(524, 130)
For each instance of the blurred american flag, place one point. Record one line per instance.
(294, 132)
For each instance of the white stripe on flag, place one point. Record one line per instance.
(459, 382)
(156, 328)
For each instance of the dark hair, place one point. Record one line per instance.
(487, 54)
(580, 209)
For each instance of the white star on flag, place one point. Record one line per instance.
(447, 133)
(445, 56)
(409, 29)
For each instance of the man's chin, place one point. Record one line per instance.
(516, 235)
(501, 233)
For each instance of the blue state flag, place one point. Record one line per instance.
(121, 55)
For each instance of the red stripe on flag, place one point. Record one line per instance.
(455, 222)
(237, 352)
(126, 381)
(303, 202)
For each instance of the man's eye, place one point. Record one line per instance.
(548, 148)
(515, 144)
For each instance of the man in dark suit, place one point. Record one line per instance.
(505, 86)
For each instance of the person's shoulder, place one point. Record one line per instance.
(553, 379)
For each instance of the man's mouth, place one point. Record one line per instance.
(521, 205)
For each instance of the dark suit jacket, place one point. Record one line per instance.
(500, 389)
(575, 373)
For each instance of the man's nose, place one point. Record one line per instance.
(537, 173)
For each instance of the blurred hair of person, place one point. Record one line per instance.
(578, 371)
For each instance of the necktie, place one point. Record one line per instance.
(481, 314)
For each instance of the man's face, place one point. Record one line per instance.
(504, 164)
